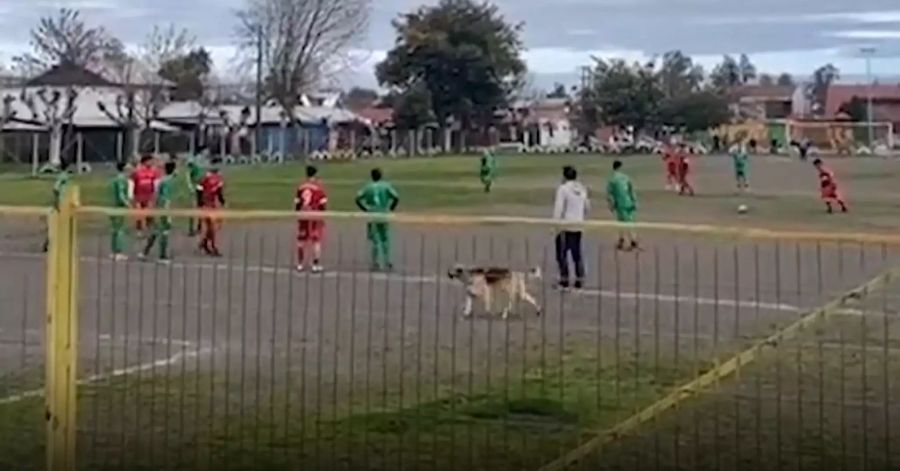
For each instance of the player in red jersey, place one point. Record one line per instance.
(310, 197)
(212, 192)
(670, 160)
(143, 182)
(684, 172)
(829, 187)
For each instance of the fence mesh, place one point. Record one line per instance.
(241, 362)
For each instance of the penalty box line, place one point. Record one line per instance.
(117, 373)
(720, 372)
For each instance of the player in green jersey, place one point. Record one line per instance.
(59, 191)
(378, 196)
(623, 203)
(121, 198)
(488, 170)
(741, 160)
(196, 170)
(165, 190)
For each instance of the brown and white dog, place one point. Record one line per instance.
(487, 282)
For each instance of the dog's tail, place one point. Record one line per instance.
(536, 273)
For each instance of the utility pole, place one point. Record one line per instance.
(257, 131)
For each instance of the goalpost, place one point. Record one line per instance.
(842, 137)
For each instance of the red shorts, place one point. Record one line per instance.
(831, 193)
(672, 168)
(143, 202)
(310, 231)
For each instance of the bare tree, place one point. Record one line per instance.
(301, 41)
(143, 91)
(7, 113)
(54, 109)
(65, 38)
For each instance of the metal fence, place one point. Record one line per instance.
(710, 349)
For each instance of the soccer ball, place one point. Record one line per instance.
(742, 209)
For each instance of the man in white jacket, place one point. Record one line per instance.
(571, 206)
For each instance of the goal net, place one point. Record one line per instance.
(842, 136)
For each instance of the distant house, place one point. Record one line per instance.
(762, 102)
(885, 100)
(538, 123)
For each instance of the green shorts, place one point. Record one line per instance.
(163, 224)
(378, 231)
(740, 174)
(625, 215)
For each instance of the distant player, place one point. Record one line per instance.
(196, 170)
(212, 189)
(378, 196)
(143, 180)
(684, 173)
(741, 160)
(622, 201)
(828, 184)
(488, 170)
(165, 190)
(310, 197)
(120, 190)
(670, 161)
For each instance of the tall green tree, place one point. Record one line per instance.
(696, 111)
(785, 80)
(856, 108)
(623, 94)
(463, 52)
(559, 91)
(189, 73)
(823, 77)
(726, 74)
(746, 69)
(678, 75)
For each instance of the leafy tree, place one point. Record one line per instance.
(727, 74)
(188, 72)
(623, 94)
(857, 108)
(464, 53)
(823, 77)
(413, 108)
(746, 69)
(678, 75)
(697, 111)
(766, 80)
(785, 80)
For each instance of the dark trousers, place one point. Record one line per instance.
(569, 243)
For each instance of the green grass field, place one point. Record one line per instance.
(784, 193)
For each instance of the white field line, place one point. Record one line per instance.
(364, 276)
(96, 378)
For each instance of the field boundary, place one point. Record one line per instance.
(450, 220)
(718, 373)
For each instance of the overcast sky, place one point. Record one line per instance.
(780, 35)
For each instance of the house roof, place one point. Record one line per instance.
(838, 94)
(763, 92)
(64, 75)
(377, 116)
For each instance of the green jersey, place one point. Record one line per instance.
(488, 164)
(378, 197)
(59, 187)
(196, 170)
(119, 190)
(620, 192)
(741, 161)
(165, 190)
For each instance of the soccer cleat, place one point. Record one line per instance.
(317, 269)
(119, 257)
(164, 261)
(300, 268)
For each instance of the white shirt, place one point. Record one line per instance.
(572, 203)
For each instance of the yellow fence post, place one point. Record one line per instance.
(62, 334)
